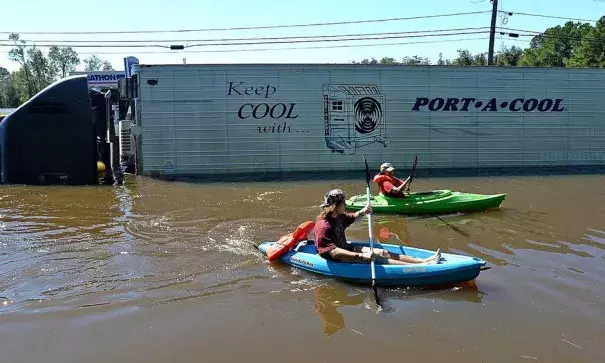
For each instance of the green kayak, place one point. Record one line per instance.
(429, 202)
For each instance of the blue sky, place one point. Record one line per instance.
(113, 15)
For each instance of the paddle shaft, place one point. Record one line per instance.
(413, 169)
(368, 177)
(371, 237)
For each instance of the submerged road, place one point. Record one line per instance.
(158, 271)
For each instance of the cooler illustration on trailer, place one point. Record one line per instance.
(354, 117)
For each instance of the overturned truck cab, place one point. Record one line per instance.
(62, 135)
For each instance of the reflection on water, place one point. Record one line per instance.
(330, 299)
(327, 301)
(95, 267)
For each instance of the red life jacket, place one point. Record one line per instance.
(381, 179)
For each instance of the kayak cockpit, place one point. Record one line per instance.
(308, 246)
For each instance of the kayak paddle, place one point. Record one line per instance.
(370, 232)
(413, 169)
(412, 177)
(453, 227)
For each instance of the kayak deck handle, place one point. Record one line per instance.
(483, 268)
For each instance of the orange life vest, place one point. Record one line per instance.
(285, 243)
(381, 179)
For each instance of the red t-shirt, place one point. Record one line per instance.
(330, 233)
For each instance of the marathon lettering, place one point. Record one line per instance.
(463, 104)
(242, 89)
(105, 77)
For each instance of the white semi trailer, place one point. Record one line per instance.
(196, 120)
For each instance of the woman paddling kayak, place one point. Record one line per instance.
(331, 242)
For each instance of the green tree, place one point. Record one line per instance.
(556, 46)
(443, 62)
(94, 63)
(106, 66)
(63, 60)
(466, 58)
(4, 79)
(9, 96)
(41, 72)
(19, 54)
(509, 56)
(20, 82)
(36, 70)
(366, 61)
(388, 60)
(591, 50)
(415, 61)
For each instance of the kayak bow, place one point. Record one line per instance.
(429, 202)
(451, 268)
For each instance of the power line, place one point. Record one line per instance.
(258, 43)
(255, 27)
(245, 39)
(520, 30)
(328, 47)
(289, 48)
(512, 32)
(565, 37)
(510, 13)
(527, 36)
(542, 35)
(94, 46)
(501, 30)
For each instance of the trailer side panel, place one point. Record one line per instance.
(216, 119)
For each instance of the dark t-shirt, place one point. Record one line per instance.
(330, 233)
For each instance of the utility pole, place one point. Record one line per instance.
(492, 33)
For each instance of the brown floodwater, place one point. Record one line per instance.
(158, 271)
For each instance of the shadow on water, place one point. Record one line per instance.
(420, 172)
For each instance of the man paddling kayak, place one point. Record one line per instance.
(331, 242)
(390, 185)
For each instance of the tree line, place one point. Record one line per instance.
(574, 44)
(38, 70)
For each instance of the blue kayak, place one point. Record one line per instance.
(451, 268)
